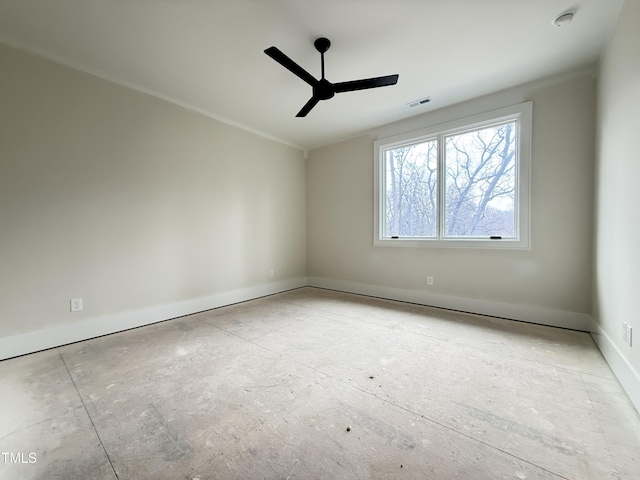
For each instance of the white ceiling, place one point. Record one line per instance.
(208, 54)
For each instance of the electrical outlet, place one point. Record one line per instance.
(627, 333)
(76, 304)
(429, 280)
(271, 273)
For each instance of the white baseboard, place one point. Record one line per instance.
(525, 313)
(59, 335)
(628, 376)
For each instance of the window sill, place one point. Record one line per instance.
(471, 243)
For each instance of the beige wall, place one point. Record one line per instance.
(617, 254)
(554, 274)
(131, 202)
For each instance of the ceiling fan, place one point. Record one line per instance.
(323, 89)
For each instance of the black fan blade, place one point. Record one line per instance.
(308, 106)
(290, 65)
(366, 83)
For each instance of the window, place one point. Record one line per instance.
(463, 184)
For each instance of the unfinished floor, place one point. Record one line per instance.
(315, 384)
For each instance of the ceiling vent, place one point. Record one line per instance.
(564, 19)
(420, 101)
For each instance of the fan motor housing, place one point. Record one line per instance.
(323, 90)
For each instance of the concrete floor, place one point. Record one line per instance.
(314, 384)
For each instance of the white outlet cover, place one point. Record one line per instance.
(627, 333)
(76, 304)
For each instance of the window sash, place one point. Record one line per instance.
(445, 199)
(386, 228)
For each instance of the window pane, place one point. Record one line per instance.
(480, 180)
(411, 195)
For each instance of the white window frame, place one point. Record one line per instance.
(522, 113)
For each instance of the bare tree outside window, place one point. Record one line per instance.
(412, 190)
(461, 184)
(479, 185)
(480, 182)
